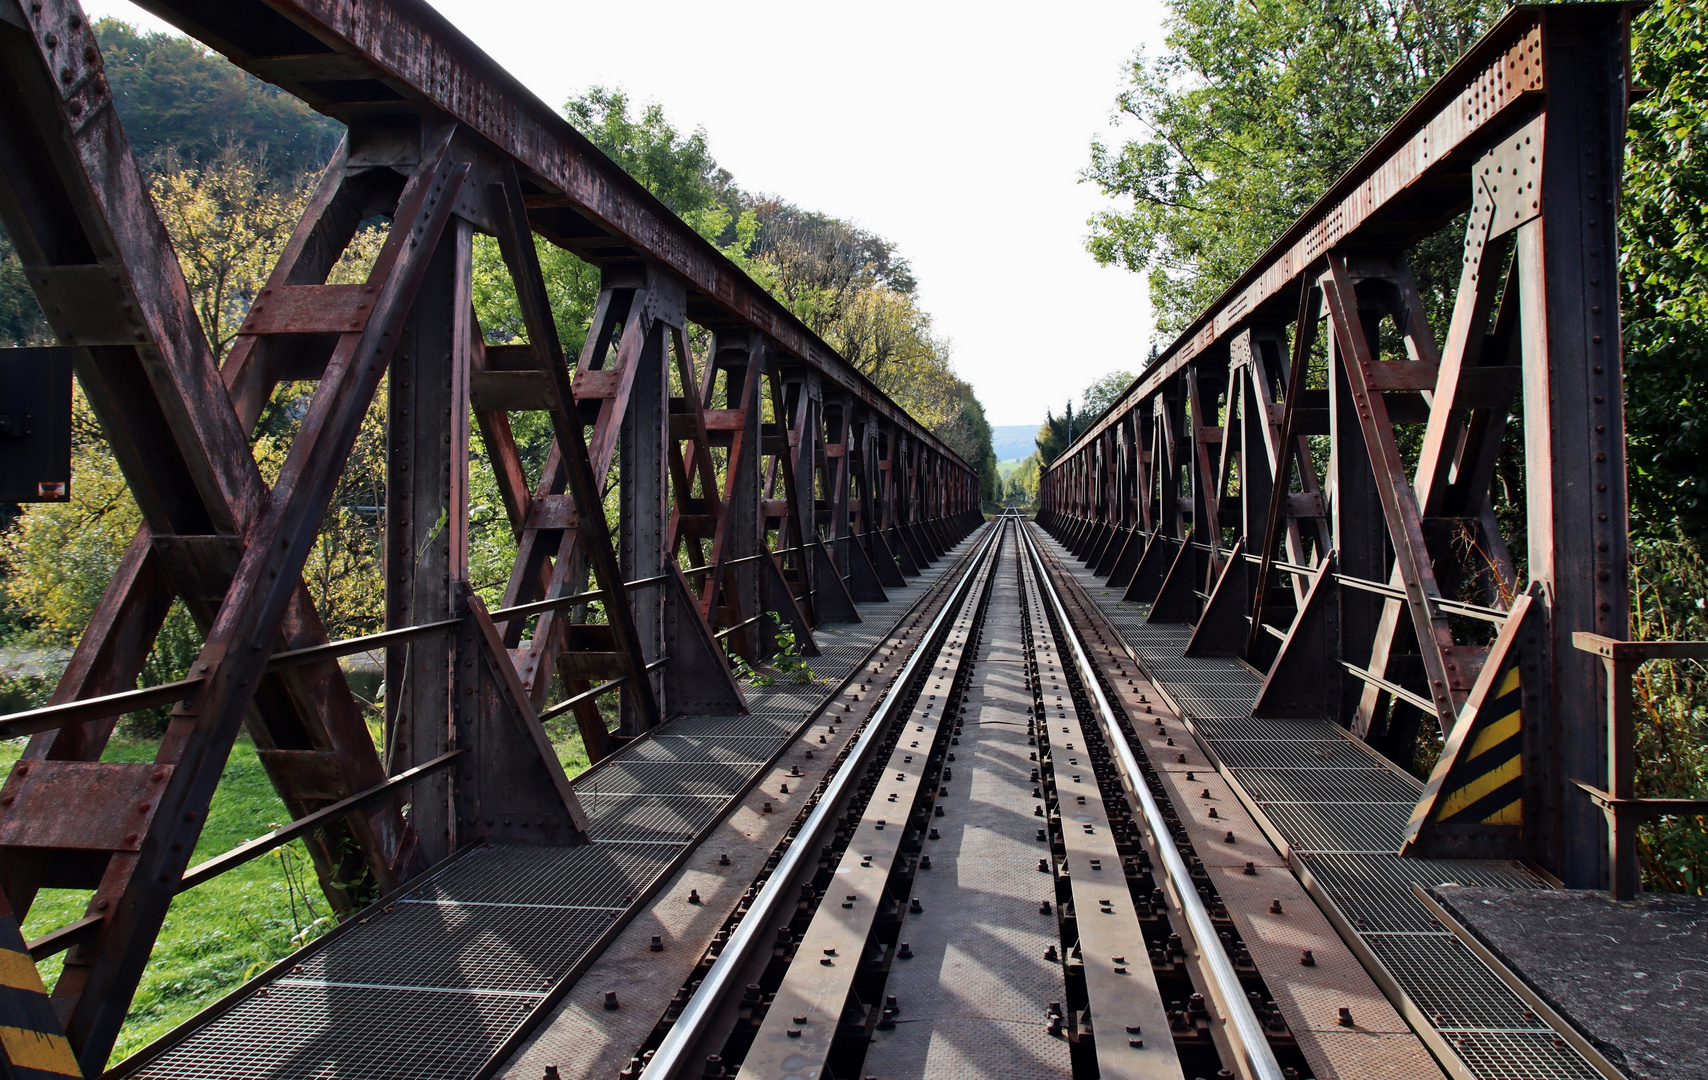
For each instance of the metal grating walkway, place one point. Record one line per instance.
(432, 987)
(1340, 810)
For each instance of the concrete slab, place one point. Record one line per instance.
(1631, 976)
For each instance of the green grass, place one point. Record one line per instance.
(217, 933)
(229, 929)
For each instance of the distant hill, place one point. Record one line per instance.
(1014, 440)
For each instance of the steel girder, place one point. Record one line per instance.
(774, 478)
(1306, 473)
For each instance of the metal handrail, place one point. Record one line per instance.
(83, 710)
(670, 1057)
(1243, 1026)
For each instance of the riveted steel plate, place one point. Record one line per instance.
(1324, 803)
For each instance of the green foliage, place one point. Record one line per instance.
(968, 434)
(1669, 592)
(1664, 269)
(216, 934)
(1021, 486)
(677, 168)
(1253, 110)
(229, 222)
(786, 661)
(21, 320)
(1102, 393)
(177, 98)
(1057, 433)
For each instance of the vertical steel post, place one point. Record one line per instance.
(426, 544)
(643, 510)
(1574, 435)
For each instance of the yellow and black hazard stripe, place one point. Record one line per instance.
(30, 1036)
(1474, 801)
(1485, 784)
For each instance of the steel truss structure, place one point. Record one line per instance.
(1306, 473)
(752, 469)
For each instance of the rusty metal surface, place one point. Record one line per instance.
(581, 1036)
(496, 933)
(809, 1006)
(973, 997)
(1128, 1017)
(1495, 79)
(402, 57)
(1472, 1024)
(1360, 585)
(1379, 1043)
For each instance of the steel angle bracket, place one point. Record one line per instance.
(1474, 806)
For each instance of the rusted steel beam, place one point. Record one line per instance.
(1400, 181)
(1526, 132)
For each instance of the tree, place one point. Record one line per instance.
(1664, 271)
(228, 224)
(1056, 434)
(848, 285)
(1021, 487)
(1103, 393)
(21, 319)
(1256, 107)
(677, 168)
(174, 95)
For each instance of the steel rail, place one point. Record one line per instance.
(670, 1056)
(1245, 1030)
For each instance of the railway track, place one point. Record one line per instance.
(986, 883)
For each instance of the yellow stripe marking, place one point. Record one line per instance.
(1495, 734)
(1510, 814)
(38, 1050)
(1481, 786)
(1508, 683)
(18, 971)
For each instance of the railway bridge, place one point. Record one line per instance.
(1267, 749)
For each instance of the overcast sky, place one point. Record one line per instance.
(956, 130)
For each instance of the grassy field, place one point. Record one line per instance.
(235, 925)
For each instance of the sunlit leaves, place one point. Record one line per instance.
(1252, 110)
(1664, 269)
